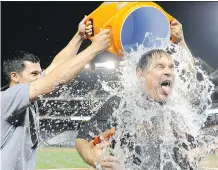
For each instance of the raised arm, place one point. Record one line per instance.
(91, 150)
(68, 70)
(177, 32)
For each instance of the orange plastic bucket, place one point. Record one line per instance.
(129, 21)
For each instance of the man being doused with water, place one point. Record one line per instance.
(149, 135)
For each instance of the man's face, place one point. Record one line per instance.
(31, 72)
(158, 78)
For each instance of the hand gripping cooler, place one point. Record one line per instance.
(128, 22)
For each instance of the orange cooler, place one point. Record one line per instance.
(129, 22)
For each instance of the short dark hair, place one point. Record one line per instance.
(15, 62)
(146, 57)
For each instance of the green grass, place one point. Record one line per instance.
(210, 162)
(55, 158)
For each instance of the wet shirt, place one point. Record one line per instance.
(19, 129)
(101, 122)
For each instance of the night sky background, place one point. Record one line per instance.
(44, 28)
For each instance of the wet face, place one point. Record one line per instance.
(31, 72)
(158, 78)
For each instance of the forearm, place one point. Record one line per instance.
(183, 44)
(71, 68)
(191, 65)
(63, 73)
(70, 50)
(84, 149)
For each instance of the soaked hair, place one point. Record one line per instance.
(145, 60)
(15, 63)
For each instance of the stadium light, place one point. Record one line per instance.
(108, 64)
(86, 118)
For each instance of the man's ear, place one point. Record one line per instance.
(139, 73)
(14, 77)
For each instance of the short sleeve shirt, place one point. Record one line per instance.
(19, 129)
(101, 121)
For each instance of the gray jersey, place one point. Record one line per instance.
(19, 129)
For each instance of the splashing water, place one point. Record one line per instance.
(149, 135)
(146, 125)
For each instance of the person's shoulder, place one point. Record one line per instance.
(108, 107)
(15, 88)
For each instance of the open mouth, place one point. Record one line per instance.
(166, 86)
(166, 83)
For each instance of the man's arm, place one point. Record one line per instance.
(73, 46)
(177, 32)
(93, 155)
(90, 154)
(68, 70)
(98, 123)
(92, 150)
(85, 150)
